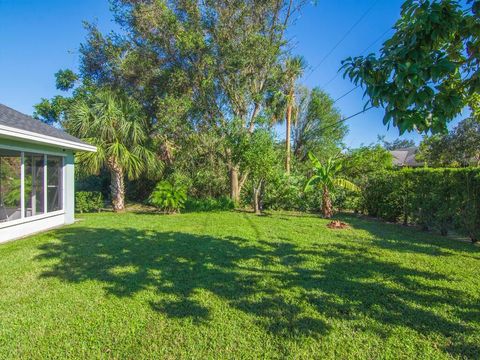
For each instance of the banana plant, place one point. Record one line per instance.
(325, 177)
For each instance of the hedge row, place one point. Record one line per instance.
(441, 199)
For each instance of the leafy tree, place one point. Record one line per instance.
(260, 159)
(325, 177)
(429, 70)
(116, 126)
(211, 62)
(461, 147)
(66, 79)
(396, 144)
(56, 110)
(360, 163)
(317, 127)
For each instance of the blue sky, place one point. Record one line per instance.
(39, 37)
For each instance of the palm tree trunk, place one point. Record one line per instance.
(327, 209)
(117, 186)
(287, 138)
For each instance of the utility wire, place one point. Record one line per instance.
(362, 53)
(345, 119)
(348, 92)
(342, 39)
(377, 40)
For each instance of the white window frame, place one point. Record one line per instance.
(23, 219)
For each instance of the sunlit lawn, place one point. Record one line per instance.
(234, 285)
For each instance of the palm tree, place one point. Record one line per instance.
(293, 70)
(325, 177)
(115, 125)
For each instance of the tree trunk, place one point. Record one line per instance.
(327, 209)
(287, 138)
(117, 186)
(256, 198)
(234, 186)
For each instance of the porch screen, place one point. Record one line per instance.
(35, 190)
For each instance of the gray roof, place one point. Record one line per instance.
(405, 157)
(15, 119)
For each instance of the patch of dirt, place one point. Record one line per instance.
(337, 224)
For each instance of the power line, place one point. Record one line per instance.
(347, 118)
(362, 53)
(376, 40)
(348, 92)
(343, 38)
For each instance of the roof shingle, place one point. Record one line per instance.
(12, 118)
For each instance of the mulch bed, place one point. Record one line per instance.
(337, 224)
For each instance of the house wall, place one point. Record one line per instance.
(22, 227)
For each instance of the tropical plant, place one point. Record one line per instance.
(117, 127)
(325, 177)
(168, 197)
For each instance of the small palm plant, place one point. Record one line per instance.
(168, 197)
(325, 177)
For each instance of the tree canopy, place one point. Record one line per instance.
(428, 71)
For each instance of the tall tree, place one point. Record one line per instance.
(116, 126)
(218, 54)
(429, 70)
(318, 127)
(293, 70)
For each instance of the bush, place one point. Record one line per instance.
(168, 197)
(285, 193)
(441, 199)
(88, 201)
(209, 204)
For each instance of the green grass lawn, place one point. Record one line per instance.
(234, 285)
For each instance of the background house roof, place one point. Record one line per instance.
(405, 157)
(13, 119)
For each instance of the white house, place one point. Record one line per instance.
(36, 175)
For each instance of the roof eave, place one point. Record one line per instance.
(31, 137)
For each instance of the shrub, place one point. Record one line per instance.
(441, 199)
(285, 193)
(209, 204)
(88, 201)
(168, 197)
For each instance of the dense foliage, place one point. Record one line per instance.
(169, 198)
(222, 203)
(88, 201)
(459, 148)
(440, 199)
(201, 76)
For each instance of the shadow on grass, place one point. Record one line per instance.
(409, 239)
(291, 290)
